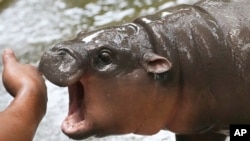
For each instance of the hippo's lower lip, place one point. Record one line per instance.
(75, 126)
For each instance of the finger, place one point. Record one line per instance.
(8, 57)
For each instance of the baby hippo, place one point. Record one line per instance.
(185, 69)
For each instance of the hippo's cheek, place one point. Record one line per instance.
(100, 108)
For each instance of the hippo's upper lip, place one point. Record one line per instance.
(75, 124)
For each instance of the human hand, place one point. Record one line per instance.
(17, 77)
(25, 83)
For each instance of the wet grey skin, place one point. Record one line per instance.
(180, 69)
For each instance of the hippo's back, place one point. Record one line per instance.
(233, 20)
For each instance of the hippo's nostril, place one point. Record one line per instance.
(64, 51)
(61, 52)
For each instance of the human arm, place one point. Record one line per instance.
(21, 118)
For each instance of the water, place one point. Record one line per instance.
(31, 26)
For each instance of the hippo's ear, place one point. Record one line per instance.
(155, 64)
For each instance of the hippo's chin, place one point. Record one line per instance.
(75, 125)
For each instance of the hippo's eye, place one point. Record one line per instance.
(105, 57)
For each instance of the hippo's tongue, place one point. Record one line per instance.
(75, 124)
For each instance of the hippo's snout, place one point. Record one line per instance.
(63, 64)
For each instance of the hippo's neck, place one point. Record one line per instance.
(201, 52)
(188, 38)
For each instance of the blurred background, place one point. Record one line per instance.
(30, 27)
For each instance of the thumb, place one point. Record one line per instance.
(8, 57)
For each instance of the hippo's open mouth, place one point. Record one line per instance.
(75, 125)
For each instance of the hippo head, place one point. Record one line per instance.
(110, 77)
